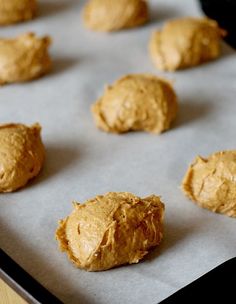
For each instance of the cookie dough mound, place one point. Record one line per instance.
(111, 230)
(13, 11)
(211, 182)
(21, 155)
(107, 15)
(24, 58)
(185, 42)
(134, 103)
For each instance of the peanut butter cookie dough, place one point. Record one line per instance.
(24, 58)
(106, 15)
(211, 182)
(111, 230)
(13, 11)
(185, 42)
(21, 155)
(136, 102)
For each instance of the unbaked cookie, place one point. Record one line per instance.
(107, 15)
(24, 58)
(110, 230)
(136, 102)
(211, 182)
(12, 11)
(185, 42)
(21, 155)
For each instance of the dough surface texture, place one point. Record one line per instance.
(111, 230)
(21, 155)
(211, 182)
(24, 58)
(13, 11)
(107, 15)
(134, 103)
(185, 42)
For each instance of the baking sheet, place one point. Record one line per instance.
(83, 161)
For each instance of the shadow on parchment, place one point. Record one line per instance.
(163, 14)
(190, 111)
(176, 230)
(174, 234)
(46, 9)
(58, 159)
(61, 65)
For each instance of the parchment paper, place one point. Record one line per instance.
(83, 161)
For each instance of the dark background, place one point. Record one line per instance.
(224, 12)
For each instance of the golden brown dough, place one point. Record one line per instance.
(24, 58)
(211, 182)
(107, 15)
(110, 230)
(21, 155)
(136, 102)
(185, 42)
(13, 11)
